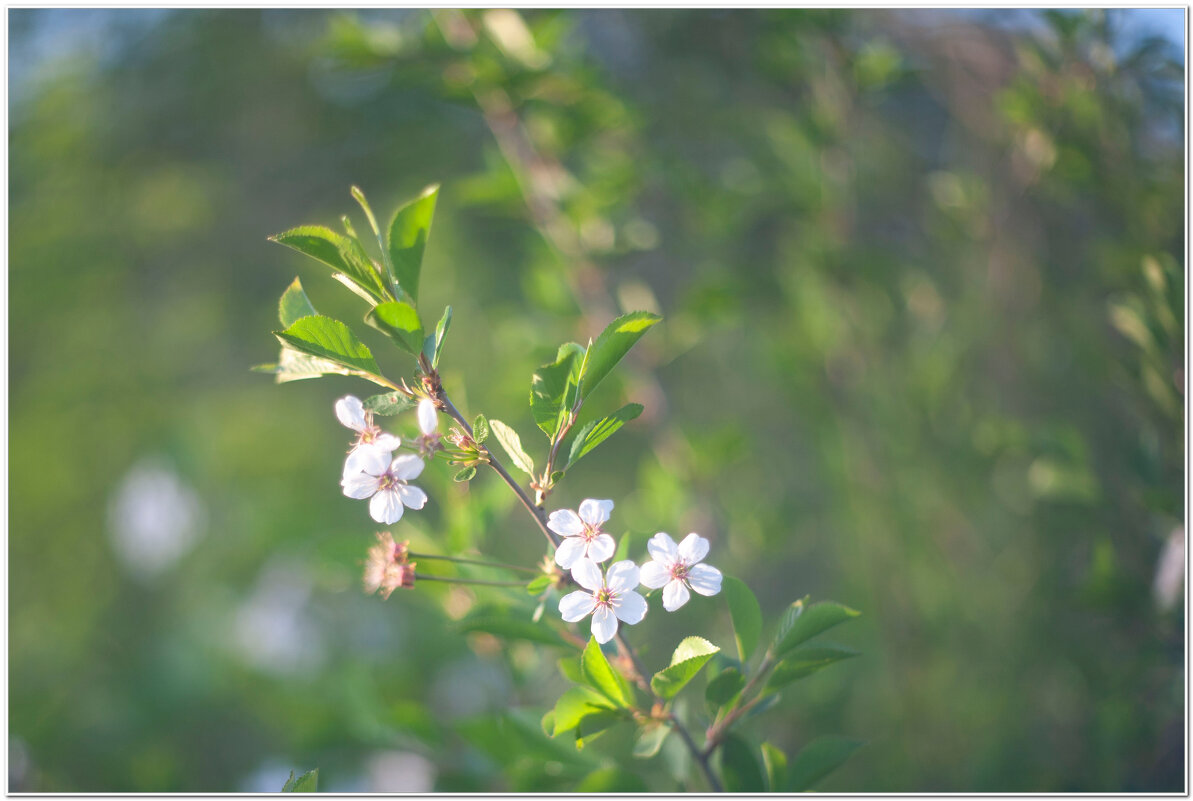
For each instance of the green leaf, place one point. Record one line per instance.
(594, 724)
(574, 705)
(480, 429)
(512, 444)
(745, 613)
(724, 688)
(294, 305)
(805, 662)
(306, 783)
(807, 624)
(441, 328)
(611, 780)
(569, 666)
(549, 389)
(501, 623)
(739, 766)
(818, 759)
(295, 366)
(601, 676)
(598, 431)
(613, 344)
(325, 338)
(538, 584)
(776, 767)
(408, 233)
(686, 662)
(465, 474)
(387, 404)
(548, 723)
(649, 739)
(343, 254)
(400, 322)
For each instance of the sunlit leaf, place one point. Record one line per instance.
(400, 322)
(811, 621)
(691, 655)
(612, 345)
(408, 233)
(329, 339)
(549, 389)
(512, 444)
(342, 253)
(294, 305)
(387, 404)
(306, 783)
(601, 676)
(598, 431)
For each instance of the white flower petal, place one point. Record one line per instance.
(630, 607)
(576, 605)
(662, 549)
(587, 574)
(351, 412)
(622, 576)
(604, 624)
(594, 512)
(565, 523)
(428, 420)
(675, 595)
(360, 485)
(705, 579)
(407, 467)
(411, 496)
(366, 458)
(601, 548)
(693, 548)
(654, 574)
(387, 443)
(571, 549)
(386, 507)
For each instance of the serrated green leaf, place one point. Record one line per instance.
(775, 762)
(294, 305)
(501, 623)
(598, 431)
(611, 780)
(295, 366)
(512, 443)
(325, 338)
(745, 613)
(601, 676)
(538, 584)
(724, 688)
(387, 404)
(480, 429)
(441, 329)
(739, 766)
(465, 474)
(574, 705)
(804, 662)
(612, 345)
(649, 739)
(686, 662)
(818, 759)
(343, 254)
(408, 233)
(811, 621)
(549, 389)
(400, 322)
(306, 783)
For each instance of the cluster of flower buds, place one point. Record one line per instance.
(388, 566)
(610, 595)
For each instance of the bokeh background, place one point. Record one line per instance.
(922, 354)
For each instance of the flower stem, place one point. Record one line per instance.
(453, 580)
(461, 559)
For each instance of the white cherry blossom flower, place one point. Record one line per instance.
(609, 598)
(369, 438)
(385, 482)
(676, 568)
(428, 424)
(582, 535)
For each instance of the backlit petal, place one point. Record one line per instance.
(571, 549)
(407, 467)
(587, 574)
(622, 576)
(662, 549)
(705, 579)
(601, 548)
(654, 575)
(693, 548)
(576, 605)
(675, 595)
(604, 624)
(387, 442)
(428, 420)
(386, 507)
(594, 512)
(411, 496)
(351, 412)
(565, 523)
(360, 485)
(630, 607)
(366, 458)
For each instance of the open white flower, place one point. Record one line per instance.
(385, 482)
(582, 535)
(609, 598)
(369, 438)
(676, 568)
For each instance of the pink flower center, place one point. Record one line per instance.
(679, 570)
(388, 481)
(604, 597)
(590, 532)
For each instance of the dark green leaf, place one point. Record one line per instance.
(598, 431)
(341, 253)
(739, 766)
(325, 338)
(776, 767)
(549, 389)
(649, 739)
(387, 404)
(804, 662)
(465, 474)
(480, 429)
(306, 783)
(503, 624)
(512, 444)
(441, 328)
(596, 723)
(790, 615)
(538, 584)
(574, 705)
(814, 620)
(724, 688)
(686, 662)
(612, 345)
(601, 676)
(818, 759)
(400, 322)
(294, 305)
(745, 613)
(611, 780)
(408, 233)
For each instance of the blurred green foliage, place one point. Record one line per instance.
(922, 352)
